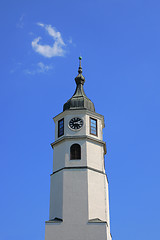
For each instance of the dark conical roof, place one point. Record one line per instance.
(79, 100)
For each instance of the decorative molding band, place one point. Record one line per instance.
(53, 222)
(97, 220)
(80, 167)
(79, 111)
(64, 138)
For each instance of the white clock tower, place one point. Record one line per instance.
(79, 204)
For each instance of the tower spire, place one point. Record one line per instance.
(79, 100)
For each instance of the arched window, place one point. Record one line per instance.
(75, 151)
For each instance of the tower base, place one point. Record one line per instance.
(88, 231)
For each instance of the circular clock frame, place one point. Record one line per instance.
(75, 123)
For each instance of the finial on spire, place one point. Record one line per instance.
(80, 68)
(80, 58)
(80, 79)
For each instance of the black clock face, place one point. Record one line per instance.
(76, 123)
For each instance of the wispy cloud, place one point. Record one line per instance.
(20, 23)
(43, 67)
(58, 47)
(39, 68)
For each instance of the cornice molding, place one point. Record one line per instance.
(97, 220)
(80, 168)
(64, 138)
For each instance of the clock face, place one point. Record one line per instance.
(76, 123)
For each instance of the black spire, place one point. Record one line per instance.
(79, 100)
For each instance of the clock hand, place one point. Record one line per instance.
(75, 122)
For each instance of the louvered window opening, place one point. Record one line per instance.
(61, 127)
(75, 152)
(93, 126)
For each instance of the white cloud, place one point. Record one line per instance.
(43, 67)
(40, 24)
(40, 68)
(57, 49)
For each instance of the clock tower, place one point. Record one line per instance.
(79, 202)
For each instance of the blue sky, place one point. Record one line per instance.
(40, 45)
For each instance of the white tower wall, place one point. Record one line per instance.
(96, 196)
(56, 196)
(79, 202)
